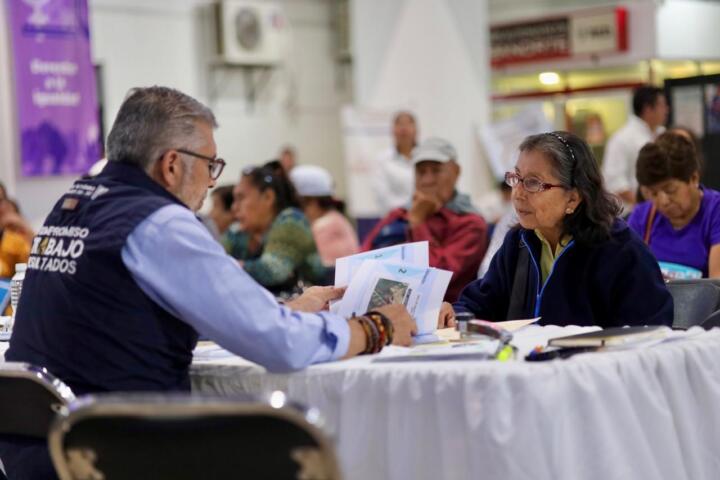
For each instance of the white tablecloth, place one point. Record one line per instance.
(651, 413)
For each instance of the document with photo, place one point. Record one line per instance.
(416, 254)
(378, 283)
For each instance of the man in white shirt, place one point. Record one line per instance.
(395, 175)
(650, 111)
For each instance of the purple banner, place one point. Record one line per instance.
(55, 86)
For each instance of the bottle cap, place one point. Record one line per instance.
(20, 267)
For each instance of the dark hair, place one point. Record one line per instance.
(153, 120)
(225, 194)
(575, 166)
(264, 178)
(645, 96)
(327, 203)
(274, 166)
(683, 130)
(671, 156)
(3, 190)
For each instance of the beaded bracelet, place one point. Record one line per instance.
(387, 324)
(379, 325)
(373, 343)
(368, 334)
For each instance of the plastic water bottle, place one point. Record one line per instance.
(16, 287)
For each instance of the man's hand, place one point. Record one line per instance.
(423, 206)
(403, 323)
(446, 319)
(315, 299)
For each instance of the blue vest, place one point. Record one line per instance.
(81, 314)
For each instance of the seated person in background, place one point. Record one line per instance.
(502, 227)
(123, 312)
(571, 261)
(274, 243)
(439, 214)
(221, 212)
(15, 238)
(680, 222)
(334, 236)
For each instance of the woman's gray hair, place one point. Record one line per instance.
(152, 121)
(556, 148)
(574, 165)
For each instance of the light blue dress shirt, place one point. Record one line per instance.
(183, 269)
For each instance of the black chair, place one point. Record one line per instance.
(30, 397)
(712, 321)
(182, 437)
(695, 301)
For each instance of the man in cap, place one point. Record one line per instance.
(439, 214)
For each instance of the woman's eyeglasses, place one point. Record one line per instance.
(215, 165)
(531, 184)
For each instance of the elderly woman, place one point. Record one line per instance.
(680, 222)
(570, 260)
(274, 243)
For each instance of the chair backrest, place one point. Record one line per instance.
(694, 301)
(712, 321)
(189, 437)
(29, 399)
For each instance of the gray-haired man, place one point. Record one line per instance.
(122, 275)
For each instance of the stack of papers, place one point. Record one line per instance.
(397, 274)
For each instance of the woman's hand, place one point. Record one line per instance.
(315, 299)
(446, 319)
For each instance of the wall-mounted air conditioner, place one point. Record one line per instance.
(251, 33)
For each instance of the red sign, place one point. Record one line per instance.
(582, 33)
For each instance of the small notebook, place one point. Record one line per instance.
(612, 337)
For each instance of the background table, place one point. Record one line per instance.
(650, 413)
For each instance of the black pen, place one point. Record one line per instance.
(536, 356)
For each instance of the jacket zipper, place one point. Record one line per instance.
(540, 291)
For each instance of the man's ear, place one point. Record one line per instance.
(454, 169)
(168, 170)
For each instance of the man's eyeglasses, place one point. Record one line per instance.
(531, 185)
(216, 165)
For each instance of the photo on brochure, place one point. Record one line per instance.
(376, 283)
(387, 292)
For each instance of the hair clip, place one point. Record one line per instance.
(564, 142)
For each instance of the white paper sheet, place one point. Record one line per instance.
(377, 283)
(416, 254)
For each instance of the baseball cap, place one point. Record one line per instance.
(312, 181)
(434, 149)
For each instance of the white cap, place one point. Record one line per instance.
(312, 181)
(435, 150)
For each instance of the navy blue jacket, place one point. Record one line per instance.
(612, 284)
(81, 313)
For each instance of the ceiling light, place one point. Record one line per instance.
(549, 78)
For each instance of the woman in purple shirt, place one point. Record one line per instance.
(681, 221)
